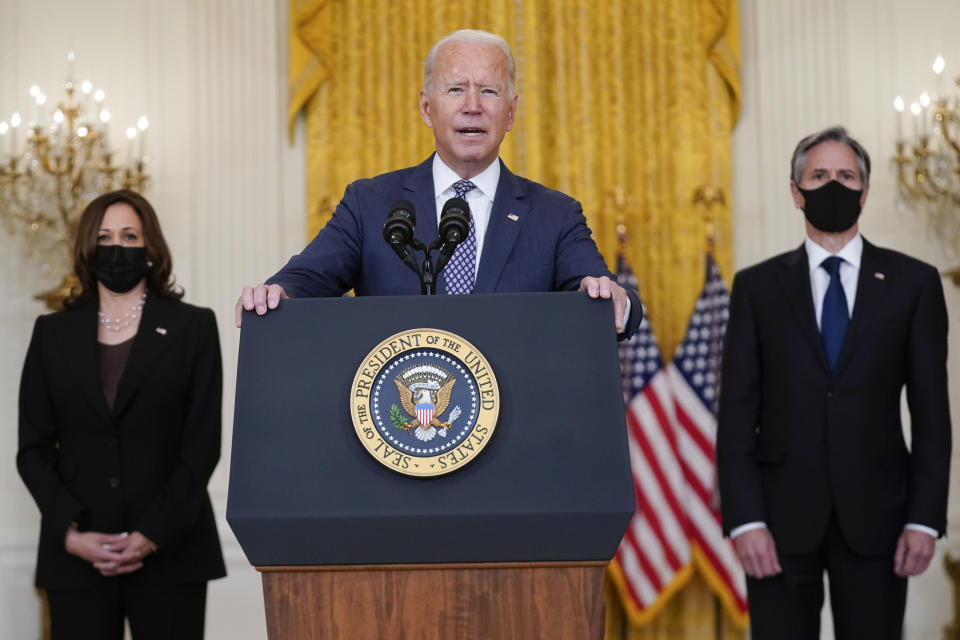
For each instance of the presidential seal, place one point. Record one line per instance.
(424, 402)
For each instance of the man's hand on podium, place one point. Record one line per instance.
(261, 298)
(604, 287)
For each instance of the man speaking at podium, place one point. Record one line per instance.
(522, 236)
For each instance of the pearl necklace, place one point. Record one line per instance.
(116, 324)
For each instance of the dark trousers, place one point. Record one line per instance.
(157, 612)
(866, 597)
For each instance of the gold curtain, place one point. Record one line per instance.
(628, 106)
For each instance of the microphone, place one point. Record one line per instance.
(398, 231)
(454, 228)
(455, 221)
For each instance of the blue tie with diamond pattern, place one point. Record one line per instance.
(460, 272)
(835, 316)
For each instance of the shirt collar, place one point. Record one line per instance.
(851, 252)
(444, 177)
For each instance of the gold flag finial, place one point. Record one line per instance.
(617, 199)
(707, 198)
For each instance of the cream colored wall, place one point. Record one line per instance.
(808, 64)
(228, 188)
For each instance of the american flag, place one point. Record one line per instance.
(695, 381)
(653, 559)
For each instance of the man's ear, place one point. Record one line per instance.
(798, 200)
(513, 111)
(425, 109)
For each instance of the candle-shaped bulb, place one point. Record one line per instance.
(34, 91)
(915, 108)
(938, 65)
(82, 131)
(898, 106)
(70, 58)
(131, 133)
(924, 99)
(104, 116)
(86, 86)
(143, 123)
(4, 127)
(41, 99)
(15, 120)
(99, 95)
(58, 116)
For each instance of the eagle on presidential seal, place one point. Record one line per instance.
(425, 395)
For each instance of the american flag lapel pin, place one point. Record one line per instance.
(513, 217)
(879, 276)
(161, 331)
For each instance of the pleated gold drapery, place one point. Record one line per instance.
(627, 106)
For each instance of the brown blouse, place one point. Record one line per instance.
(113, 360)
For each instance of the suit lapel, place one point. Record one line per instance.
(869, 299)
(160, 327)
(796, 284)
(420, 191)
(502, 231)
(80, 340)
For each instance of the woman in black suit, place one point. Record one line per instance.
(119, 433)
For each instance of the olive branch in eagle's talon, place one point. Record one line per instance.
(399, 421)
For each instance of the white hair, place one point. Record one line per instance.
(470, 36)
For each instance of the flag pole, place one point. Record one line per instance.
(707, 198)
(617, 199)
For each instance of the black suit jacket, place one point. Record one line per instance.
(143, 466)
(797, 440)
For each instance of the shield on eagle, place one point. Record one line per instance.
(425, 411)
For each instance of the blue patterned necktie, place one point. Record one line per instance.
(835, 316)
(460, 272)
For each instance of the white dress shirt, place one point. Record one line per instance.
(851, 253)
(479, 199)
(849, 271)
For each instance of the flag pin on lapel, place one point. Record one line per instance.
(879, 276)
(513, 217)
(161, 331)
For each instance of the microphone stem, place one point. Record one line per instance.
(428, 285)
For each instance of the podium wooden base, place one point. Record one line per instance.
(502, 601)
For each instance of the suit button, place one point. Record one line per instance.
(114, 482)
(829, 394)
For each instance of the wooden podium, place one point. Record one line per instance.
(436, 602)
(511, 546)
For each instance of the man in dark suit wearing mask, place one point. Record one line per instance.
(814, 471)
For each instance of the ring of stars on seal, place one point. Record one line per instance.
(421, 450)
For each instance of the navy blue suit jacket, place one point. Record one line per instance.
(537, 240)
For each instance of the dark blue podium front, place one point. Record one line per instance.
(553, 484)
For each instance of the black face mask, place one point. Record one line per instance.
(831, 208)
(119, 268)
